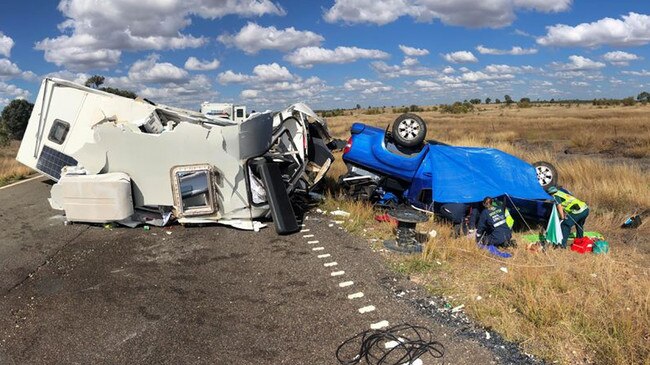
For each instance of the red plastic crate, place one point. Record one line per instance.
(582, 245)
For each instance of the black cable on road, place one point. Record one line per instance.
(400, 344)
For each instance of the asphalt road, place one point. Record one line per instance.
(81, 294)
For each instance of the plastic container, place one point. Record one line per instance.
(582, 245)
(99, 198)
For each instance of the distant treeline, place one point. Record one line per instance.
(467, 106)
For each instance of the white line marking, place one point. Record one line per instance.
(21, 182)
(378, 325)
(318, 248)
(323, 256)
(367, 309)
(307, 236)
(310, 242)
(355, 295)
(329, 264)
(302, 225)
(337, 273)
(304, 230)
(346, 283)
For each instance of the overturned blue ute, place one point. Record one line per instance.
(399, 166)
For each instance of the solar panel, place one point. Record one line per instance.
(51, 161)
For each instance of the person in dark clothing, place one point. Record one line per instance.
(455, 213)
(492, 229)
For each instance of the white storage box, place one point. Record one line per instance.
(94, 198)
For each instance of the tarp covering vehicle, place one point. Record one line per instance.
(431, 172)
(125, 160)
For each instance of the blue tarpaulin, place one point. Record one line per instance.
(468, 174)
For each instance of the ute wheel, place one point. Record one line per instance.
(546, 174)
(409, 130)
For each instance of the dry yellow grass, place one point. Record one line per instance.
(10, 169)
(560, 305)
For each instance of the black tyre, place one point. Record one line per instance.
(546, 174)
(409, 130)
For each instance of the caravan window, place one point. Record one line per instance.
(59, 131)
(240, 113)
(193, 190)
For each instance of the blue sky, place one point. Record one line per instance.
(334, 53)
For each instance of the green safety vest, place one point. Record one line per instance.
(506, 212)
(570, 203)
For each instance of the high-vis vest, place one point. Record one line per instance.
(497, 216)
(509, 220)
(570, 203)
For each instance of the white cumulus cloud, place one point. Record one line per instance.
(149, 70)
(468, 13)
(194, 64)
(643, 72)
(230, 77)
(427, 85)
(631, 30)
(252, 38)
(514, 51)
(306, 57)
(94, 36)
(8, 68)
(272, 73)
(620, 58)
(413, 52)
(578, 63)
(263, 73)
(12, 91)
(6, 43)
(249, 94)
(361, 84)
(460, 57)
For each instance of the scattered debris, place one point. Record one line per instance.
(458, 308)
(438, 309)
(340, 213)
(504, 269)
(632, 222)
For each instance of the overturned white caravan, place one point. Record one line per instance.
(122, 160)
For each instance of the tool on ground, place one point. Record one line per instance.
(400, 344)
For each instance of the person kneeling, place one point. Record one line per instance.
(492, 230)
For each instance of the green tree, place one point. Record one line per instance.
(524, 100)
(120, 92)
(497, 101)
(96, 81)
(4, 135)
(628, 101)
(644, 96)
(488, 100)
(475, 101)
(508, 99)
(15, 117)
